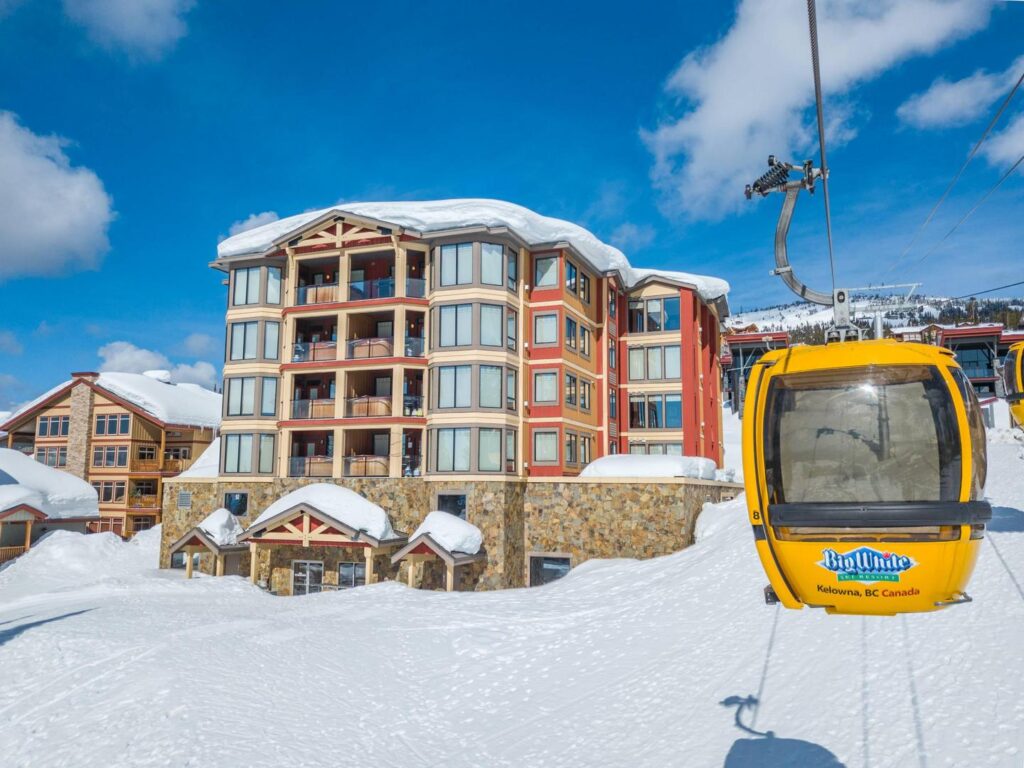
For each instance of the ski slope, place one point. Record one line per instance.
(674, 661)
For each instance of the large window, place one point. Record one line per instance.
(53, 456)
(584, 395)
(237, 454)
(545, 329)
(490, 325)
(545, 387)
(545, 446)
(268, 396)
(111, 424)
(271, 340)
(671, 310)
(653, 315)
(266, 459)
(241, 396)
(454, 386)
(492, 263)
(572, 443)
(247, 286)
(490, 386)
(571, 277)
(489, 450)
(110, 491)
(654, 363)
(545, 272)
(457, 264)
(453, 449)
(656, 411)
(456, 325)
(570, 390)
(55, 426)
(873, 434)
(570, 333)
(511, 329)
(351, 575)
(273, 285)
(512, 270)
(243, 340)
(110, 456)
(511, 388)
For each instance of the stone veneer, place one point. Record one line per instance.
(80, 430)
(582, 519)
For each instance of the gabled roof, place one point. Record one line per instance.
(219, 533)
(422, 218)
(166, 404)
(25, 482)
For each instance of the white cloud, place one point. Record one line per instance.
(198, 344)
(949, 103)
(125, 357)
(632, 237)
(9, 343)
(1004, 148)
(146, 28)
(252, 221)
(53, 217)
(748, 95)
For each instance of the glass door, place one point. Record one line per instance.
(307, 576)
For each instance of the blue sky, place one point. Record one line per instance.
(135, 133)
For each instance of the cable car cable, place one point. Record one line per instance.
(959, 173)
(987, 290)
(812, 23)
(975, 207)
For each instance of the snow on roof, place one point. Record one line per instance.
(428, 216)
(334, 501)
(208, 463)
(451, 532)
(55, 493)
(641, 465)
(222, 527)
(185, 404)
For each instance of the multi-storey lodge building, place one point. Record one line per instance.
(458, 337)
(124, 433)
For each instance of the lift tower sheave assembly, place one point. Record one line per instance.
(777, 179)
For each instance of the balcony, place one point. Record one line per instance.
(362, 349)
(414, 346)
(368, 406)
(366, 466)
(9, 553)
(325, 293)
(321, 408)
(411, 466)
(144, 501)
(314, 351)
(310, 466)
(362, 290)
(412, 405)
(145, 465)
(415, 287)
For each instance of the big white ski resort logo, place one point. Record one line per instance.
(865, 564)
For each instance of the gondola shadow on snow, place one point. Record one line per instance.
(1006, 520)
(766, 750)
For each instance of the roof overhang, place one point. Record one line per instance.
(252, 533)
(197, 537)
(451, 558)
(22, 513)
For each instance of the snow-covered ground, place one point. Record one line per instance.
(674, 661)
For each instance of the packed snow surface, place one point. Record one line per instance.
(181, 404)
(429, 216)
(451, 532)
(55, 493)
(222, 527)
(208, 463)
(641, 465)
(673, 661)
(341, 504)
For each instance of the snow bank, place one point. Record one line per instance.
(341, 504)
(171, 403)
(638, 465)
(55, 493)
(221, 526)
(208, 463)
(438, 215)
(451, 532)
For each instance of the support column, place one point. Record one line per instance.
(369, 552)
(450, 577)
(411, 575)
(28, 535)
(219, 570)
(401, 268)
(253, 551)
(188, 562)
(395, 449)
(338, 460)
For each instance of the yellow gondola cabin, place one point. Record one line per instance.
(864, 464)
(1013, 378)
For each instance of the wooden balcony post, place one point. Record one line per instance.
(28, 535)
(219, 570)
(163, 447)
(370, 576)
(450, 577)
(395, 451)
(411, 575)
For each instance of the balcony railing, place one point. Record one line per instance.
(310, 466)
(412, 405)
(146, 465)
(415, 287)
(411, 466)
(314, 351)
(368, 405)
(9, 553)
(360, 349)
(321, 408)
(143, 500)
(177, 465)
(317, 294)
(382, 288)
(366, 466)
(155, 465)
(414, 346)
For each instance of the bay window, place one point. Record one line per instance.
(241, 396)
(247, 286)
(453, 446)
(237, 454)
(490, 386)
(243, 340)
(456, 325)
(492, 263)
(454, 386)
(457, 264)
(490, 325)
(273, 285)
(489, 450)
(545, 272)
